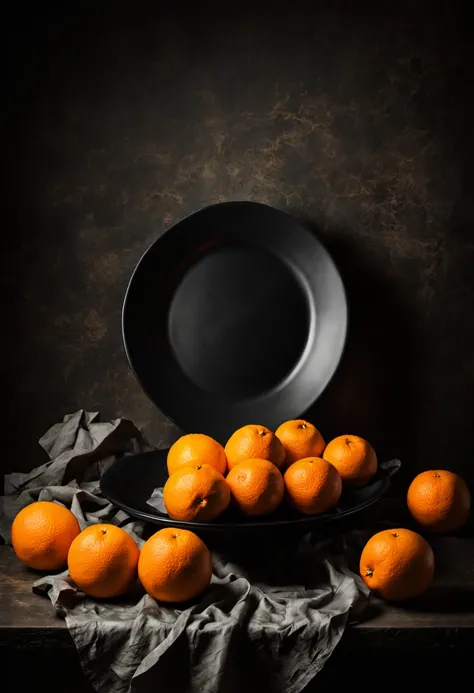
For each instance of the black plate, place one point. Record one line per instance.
(130, 481)
(235, 315)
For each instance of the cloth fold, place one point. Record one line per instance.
(270, 618)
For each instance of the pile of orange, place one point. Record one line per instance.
(104, 561)
(256, 471)
(258, 468)
(398, 564)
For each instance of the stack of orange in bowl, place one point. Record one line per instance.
(259, 469)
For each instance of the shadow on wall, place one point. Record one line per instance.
(372, 393)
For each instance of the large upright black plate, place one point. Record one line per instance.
(235, 315)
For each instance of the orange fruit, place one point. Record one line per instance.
(197, 493)
(397, 564)
(196, 448)
(254, 442)
(103, 561)
(439, 500)
(312, 485)
(175, 565)
(353, 457)
(256, 486)
(300, 439)
(42, 534)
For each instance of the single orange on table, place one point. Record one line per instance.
(256, 486)
(354, 459)
(103, 561)
(42, 533)
(300, 439)
(397, 564)
(196, 493)
(196, 448)
(254, 442)
(175, 565)
(312, 485)
(439, 500)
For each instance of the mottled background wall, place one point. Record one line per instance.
(356, 121)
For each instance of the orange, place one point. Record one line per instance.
(439, 500)
(256, 486)
(300, 439)
(312, 485)
(175, 565)
(42, 534)
(196, 448)
(254, 442)
(397, 564)
(353, 457)
(103, 561)
(197, 493)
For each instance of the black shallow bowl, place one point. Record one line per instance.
(236, 315)
(130, 482)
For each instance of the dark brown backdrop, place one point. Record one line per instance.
(354, 120)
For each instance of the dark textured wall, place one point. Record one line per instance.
(355, 121)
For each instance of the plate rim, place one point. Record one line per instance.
(166, 521)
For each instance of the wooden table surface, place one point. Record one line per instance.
(443, 616)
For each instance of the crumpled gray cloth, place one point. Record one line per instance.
(269, 620)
